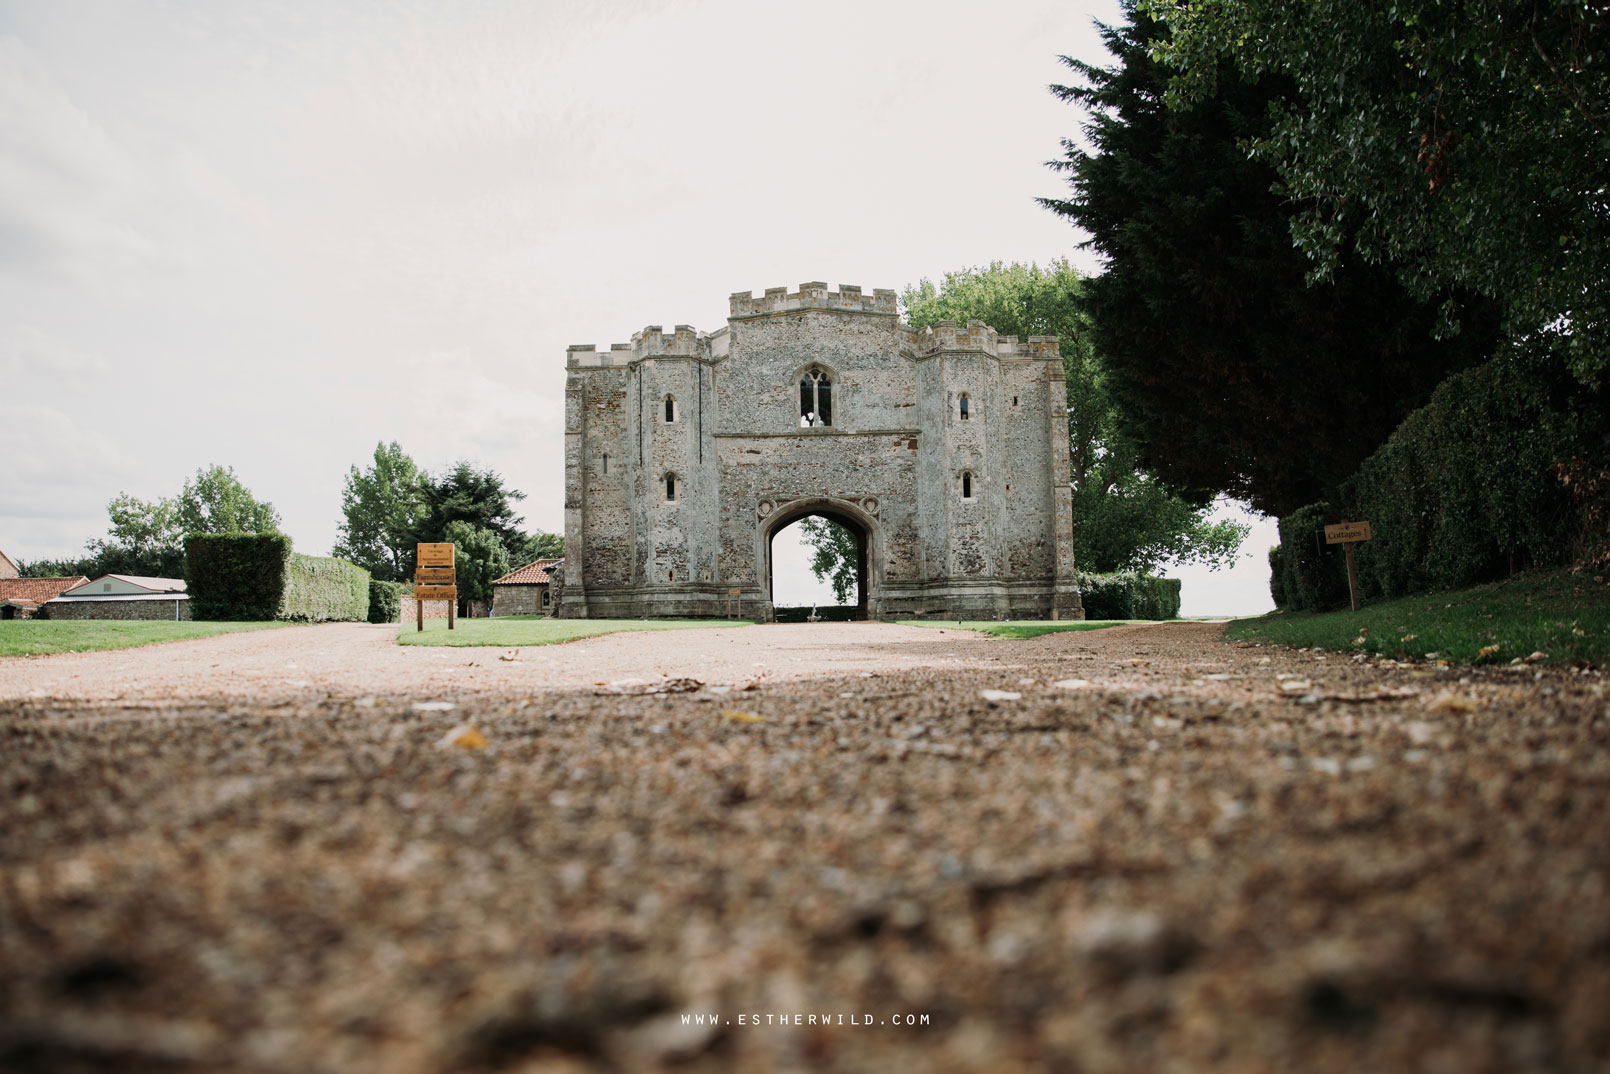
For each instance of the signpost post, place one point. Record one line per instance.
(1347, 534)
(434, 580)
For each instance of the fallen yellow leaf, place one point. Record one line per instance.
(740, 716)
(465, 737)
(1452, 703)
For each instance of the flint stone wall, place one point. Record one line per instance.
(719, 416)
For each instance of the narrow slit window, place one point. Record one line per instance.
(815, 400)
(967, 486)
(670, 488)
(670, 409)
(965, 412)
(606, 462)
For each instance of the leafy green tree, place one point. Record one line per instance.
(479, 559)
(381, 507)
(146, 537)
(1123, 518)
(1229, 374)
(215, 501)
(835, 555)
(540, 545)
(464, 493)
(1462, 142)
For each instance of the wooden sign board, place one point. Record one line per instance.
(1346, 532)
(434, 576)
(435, 555)
(436, 592)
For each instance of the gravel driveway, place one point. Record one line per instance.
(1164, 852)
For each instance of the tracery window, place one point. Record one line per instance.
(815, 399)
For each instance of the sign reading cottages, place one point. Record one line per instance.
(944, 451)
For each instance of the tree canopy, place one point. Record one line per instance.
(1229, 373)
(1123, 518)
(1462, 143)
(381, 506)
(146, 537)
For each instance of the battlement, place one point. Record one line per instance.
(944, 336)
(684, 341)
(812, 296)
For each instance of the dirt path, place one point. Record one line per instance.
(1165, 852)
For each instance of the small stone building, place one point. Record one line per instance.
(944, 451)
(527, 591)
(21, 598)
(123, 596)
(8, 567)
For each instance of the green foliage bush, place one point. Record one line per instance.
(321, 589)
(385, 600)
(236, 576)
(1465, 491)
(1128, 595)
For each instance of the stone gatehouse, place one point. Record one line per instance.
(944, 451)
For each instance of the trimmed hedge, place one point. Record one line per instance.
(239, 577)
(1128, 595)
(385, 600)
(1465, 491)
(321, 589)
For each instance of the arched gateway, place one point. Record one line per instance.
(944, 451)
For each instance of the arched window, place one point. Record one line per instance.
(964, 408)
(670, 409)
(815, 399)
(967, 484)
(670, 488)
(545, 598)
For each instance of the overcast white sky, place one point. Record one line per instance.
(268, 234)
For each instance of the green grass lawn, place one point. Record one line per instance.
(512, 631)
(1020, 628)
(1564, 615)
(33, 637)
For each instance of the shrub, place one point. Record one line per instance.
(385, 600)
(1467, 490)
(322, 589)
(236, 576)
(1306, 573)
(1128, 595)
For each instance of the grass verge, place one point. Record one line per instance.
(36, 637)
(1020, 628)
(1556, 612)
(517, 630)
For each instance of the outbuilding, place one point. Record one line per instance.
(21, 598)
(527, 591)
(123, 596)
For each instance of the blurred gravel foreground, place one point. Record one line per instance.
(1133, 849)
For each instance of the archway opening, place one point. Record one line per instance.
(817, 559)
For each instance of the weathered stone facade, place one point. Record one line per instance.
(945, 451)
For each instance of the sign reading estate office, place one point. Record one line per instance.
(434, 580)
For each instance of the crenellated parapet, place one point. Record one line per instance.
(977, 337)
(684, 341)
(813, 296)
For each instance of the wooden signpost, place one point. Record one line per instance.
(434, 580)
(1347, 534)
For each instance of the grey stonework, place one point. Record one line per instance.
(720, 415)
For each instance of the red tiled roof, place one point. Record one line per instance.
(533, 573)
(37, 590)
